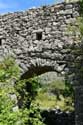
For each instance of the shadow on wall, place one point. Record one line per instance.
(36, 71)
(57, 117)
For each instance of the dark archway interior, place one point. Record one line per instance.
(35, 71)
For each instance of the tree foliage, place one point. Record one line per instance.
(9, 69)
(10, 114)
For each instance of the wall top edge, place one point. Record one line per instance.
(56, 6)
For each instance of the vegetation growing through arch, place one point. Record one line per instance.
(10, 113)
(28, 112)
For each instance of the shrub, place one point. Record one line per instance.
(10, 114)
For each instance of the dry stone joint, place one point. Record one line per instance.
(38, 38)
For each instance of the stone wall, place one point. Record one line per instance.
(37, 38)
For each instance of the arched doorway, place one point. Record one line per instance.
(52, 95)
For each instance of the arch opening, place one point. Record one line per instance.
(35, 71)
(57, 88)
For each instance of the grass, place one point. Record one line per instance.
(51, 96)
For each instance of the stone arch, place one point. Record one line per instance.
(38, 70)
(17, 29)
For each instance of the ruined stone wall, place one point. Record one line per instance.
(39, 41)
(37, 38)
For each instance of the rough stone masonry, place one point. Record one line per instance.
(39, 39)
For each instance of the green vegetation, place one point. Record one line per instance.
(55, 95)
(10, 113)
(26, 91)
(9, 70)
(30, 96)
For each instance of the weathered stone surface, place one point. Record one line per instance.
(39, 39)
(36, 38)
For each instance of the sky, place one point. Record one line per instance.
(21, 5)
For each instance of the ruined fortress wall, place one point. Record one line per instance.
(39, 40)
(37, 37)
